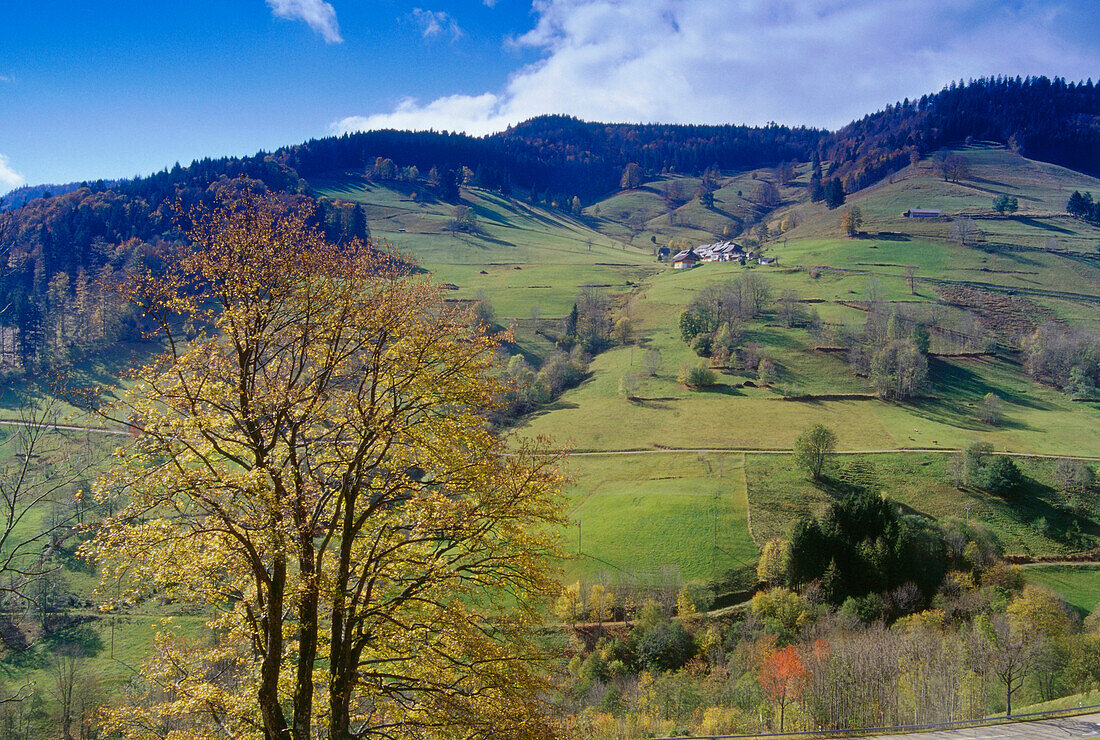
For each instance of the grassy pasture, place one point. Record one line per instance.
(1079, 585)
(525, 256)
(641, 514)
(1037, 419)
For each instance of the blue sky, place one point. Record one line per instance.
(124, 88)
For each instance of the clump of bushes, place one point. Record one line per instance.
(697, 376)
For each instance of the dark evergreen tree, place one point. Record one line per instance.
(834, 193)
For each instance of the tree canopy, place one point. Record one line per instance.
(315, 470)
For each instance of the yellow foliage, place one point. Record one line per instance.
(685, 606)
(772, 566)
(1038, 613)
(601, 603)
(929, 618)
(314, 468)
(721, 721)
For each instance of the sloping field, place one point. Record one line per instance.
(641, 515)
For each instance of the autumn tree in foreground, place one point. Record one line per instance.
(783, 677)
(314, 470)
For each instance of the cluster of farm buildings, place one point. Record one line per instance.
(717, 252)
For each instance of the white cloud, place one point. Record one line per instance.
(818, 63)
(435, 23)
(9, 178)
(319, 15)
(5, 78)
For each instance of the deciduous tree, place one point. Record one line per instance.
(783, 677)
(632, 176)
(813, 448)
(851, 221)
(315, 469)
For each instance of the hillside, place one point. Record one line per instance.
(1021, 270)
(671, 485)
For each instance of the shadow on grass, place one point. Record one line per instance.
(721, 390)
(487, 214)
(482, 236)
(80, 636)
(1029, 221)
(889, 236)
(953, 380)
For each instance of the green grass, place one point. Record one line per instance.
(1079, 585)
(1086, 699)
(780, 493)
(640, 515)
(1037, 419)
(533, 256)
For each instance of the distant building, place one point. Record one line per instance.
(685, 260)
(768, 260)
(663, 253)
(923, 213)
(720, 252)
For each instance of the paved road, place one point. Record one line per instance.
(1063, 728)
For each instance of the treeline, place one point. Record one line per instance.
(559, 157)
(554, 159)
(1046, 119)
(61, 253)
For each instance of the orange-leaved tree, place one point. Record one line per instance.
(315, 472)
(783, 677)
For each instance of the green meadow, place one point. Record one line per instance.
(1079, 585)
(639, 515)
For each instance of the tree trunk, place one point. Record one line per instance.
(307, 623)
(272, 624)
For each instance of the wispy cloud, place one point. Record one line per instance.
(319, 15)
(5, 78)
(818, 62)
(9, 178)
(435, 23)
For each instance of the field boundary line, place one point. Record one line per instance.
(790, 451)
(748, 499)
(63, 427)
(658, 451)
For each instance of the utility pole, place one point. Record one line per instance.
(578, 537)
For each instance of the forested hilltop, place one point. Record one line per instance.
(58, 245)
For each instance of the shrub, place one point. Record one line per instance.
(697, 376)
(665, 647)
(1000, 476)
(702, 345)
(866, 609)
